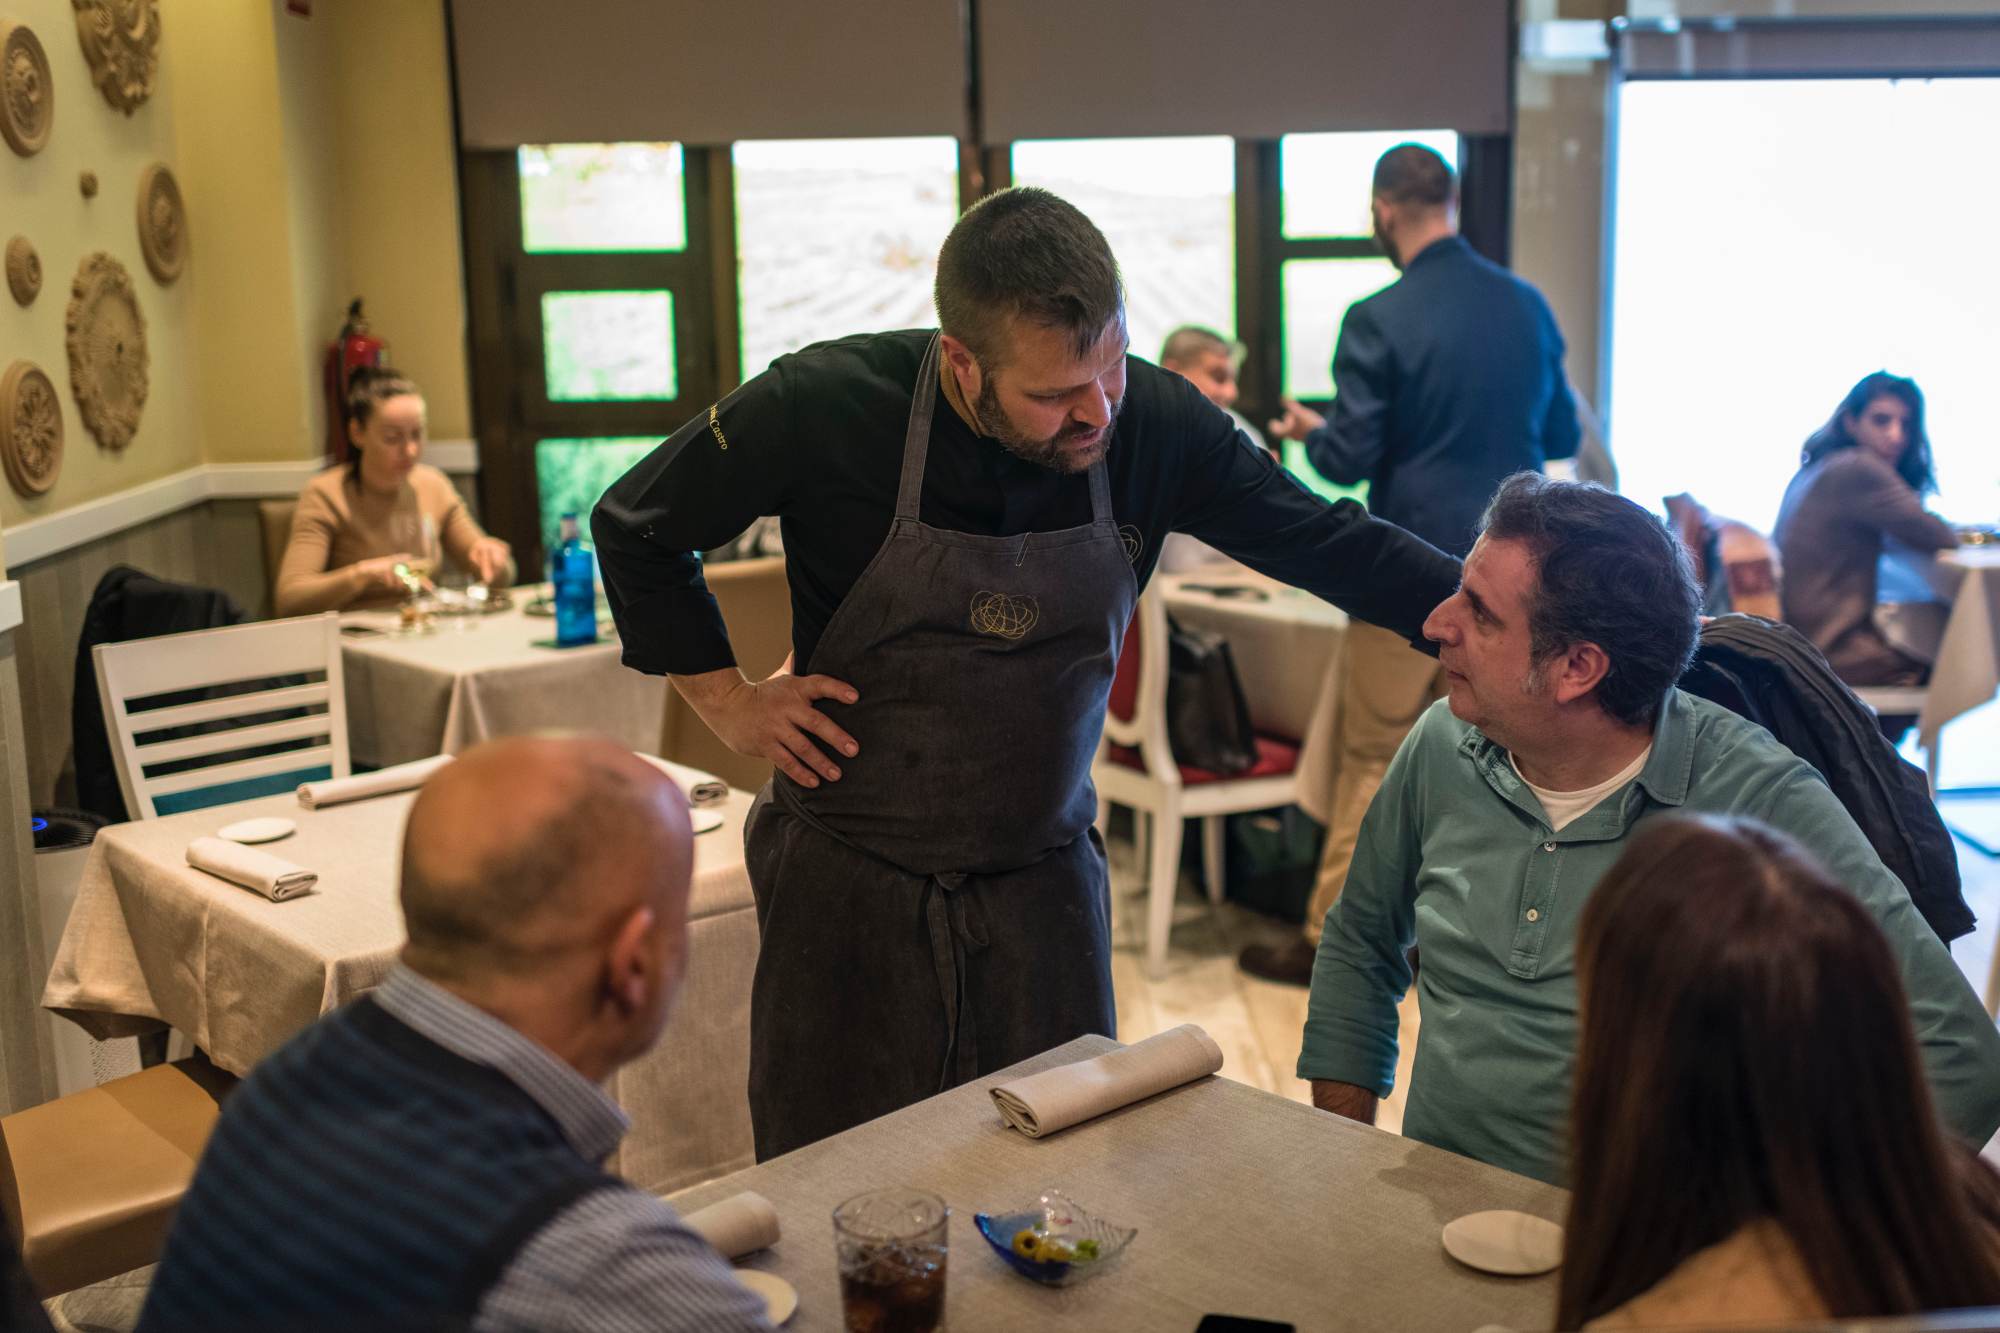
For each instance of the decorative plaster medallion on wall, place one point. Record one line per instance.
(87, 183)
(31, 429)
(24, 270)
(121, 40)
(27, 97)
(162, 222)
(107, 350)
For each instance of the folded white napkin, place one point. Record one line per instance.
(268, 875)
(1068, 1095)
(738, 1225)
(398, 777)
(699, 787)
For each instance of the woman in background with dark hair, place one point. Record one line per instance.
(356, 524)
(1863, 478)
(1752, 1139)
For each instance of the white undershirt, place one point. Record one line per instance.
(1564, 807)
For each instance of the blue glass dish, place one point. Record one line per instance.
(1056, 1217)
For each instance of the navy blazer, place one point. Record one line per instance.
(1446, 381)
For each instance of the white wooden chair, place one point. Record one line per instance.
(1135, 767)
(294, 732)
(1909, 700)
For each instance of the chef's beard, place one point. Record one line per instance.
(1052, 453)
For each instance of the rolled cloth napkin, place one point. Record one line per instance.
(275, 879)
(736, 1226)
(397, 777)
(699, 787)
(1057, 1098)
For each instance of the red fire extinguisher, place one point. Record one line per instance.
(356, 347)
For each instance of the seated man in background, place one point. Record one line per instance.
(1210, 363)
(429, 1156)
(1561, 734)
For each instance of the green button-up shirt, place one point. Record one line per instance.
(1457, 856)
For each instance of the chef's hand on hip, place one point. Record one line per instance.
(775, 719)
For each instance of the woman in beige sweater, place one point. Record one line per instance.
(1752, 1139)
(357, 522)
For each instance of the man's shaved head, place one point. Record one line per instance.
(526, 852)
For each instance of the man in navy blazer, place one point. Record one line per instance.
(1445, 382)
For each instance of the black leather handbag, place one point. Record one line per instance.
(1207, 721)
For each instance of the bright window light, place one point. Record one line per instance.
(1776, 240)
(1168, 208)
(837, 237)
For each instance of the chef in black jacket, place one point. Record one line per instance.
(968, 517)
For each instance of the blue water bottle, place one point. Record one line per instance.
(573, 571)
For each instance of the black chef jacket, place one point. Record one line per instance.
(817, 440)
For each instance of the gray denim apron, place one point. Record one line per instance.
(941, 911)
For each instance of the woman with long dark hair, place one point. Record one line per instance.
(1752, 1139)
(1862, 479)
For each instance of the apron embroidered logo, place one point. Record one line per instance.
(715, 426)
(1135, 543)
(1003, 615)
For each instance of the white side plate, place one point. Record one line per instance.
(704, 820)
(268, 829)
(1505, 1242)
(781, 1299)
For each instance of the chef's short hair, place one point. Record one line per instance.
(1024, 252)
(1414, 174)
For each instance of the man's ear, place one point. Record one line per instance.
(630, 969)
(964, 362)
(1580, 670)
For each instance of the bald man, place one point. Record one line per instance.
(430, 1155)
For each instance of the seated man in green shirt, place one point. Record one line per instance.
(1561, 735)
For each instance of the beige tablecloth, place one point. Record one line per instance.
(477, 677)
(1245, 1204)
(1282, 642)
(1966, 670)
(1287, 649)
(152, 941)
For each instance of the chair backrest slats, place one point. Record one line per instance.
(257, 670)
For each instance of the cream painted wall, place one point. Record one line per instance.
(315, 155)
(399, 184)
(309, 118)
(237, 181)
(39, 199)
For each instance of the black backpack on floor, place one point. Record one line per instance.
(1771, 674)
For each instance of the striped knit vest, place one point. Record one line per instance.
(364, 1177)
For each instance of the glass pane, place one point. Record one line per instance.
(599, 345)
(1295, 461)
(1168, 207)
(837, 236)
(1317, 293)
(1783, 334)
(602, 196)
(572, 476)
(1324, 179)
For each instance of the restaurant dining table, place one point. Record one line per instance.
(1245, 1203)
(1286, 645)
(1958, 633)
(471, 678)
(153, 942)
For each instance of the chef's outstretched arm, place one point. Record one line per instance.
(697, 491)
(1237, 499)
